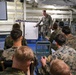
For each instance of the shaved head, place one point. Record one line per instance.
(59, 67)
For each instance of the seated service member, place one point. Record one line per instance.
(70, 39)
(16, 36)
(65, 53)
(21, 61)
(59, 67)
(53, 35)
(9, 42)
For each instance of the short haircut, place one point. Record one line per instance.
(66, 30)
(55, 26)
(57, 21)
(15, 34)
(60, 39)
(59, 67)
(23, 54)
(16, 26)
(61, 24)
(44, 10)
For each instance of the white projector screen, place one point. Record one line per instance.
(3, 10)
(31, 32)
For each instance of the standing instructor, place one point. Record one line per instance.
(46, 24)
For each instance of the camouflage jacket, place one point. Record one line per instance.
(67, 54)
(71, 41)
(12, 71)
(46, 23)
(52, 37)
(7, 54)
(9, 42)
(7, 57)
(46, 20)
(64, 53)
(44, 70)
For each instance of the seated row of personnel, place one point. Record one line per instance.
(57, 29)
(8, 40)
(70, 39)
(19, 67)
(22, 60)
(16, 36)
(65, 53)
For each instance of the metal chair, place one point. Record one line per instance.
(43, 47)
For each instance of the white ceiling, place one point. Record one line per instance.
(57, 2)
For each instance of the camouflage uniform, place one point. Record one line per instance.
(7, 54)
(9, 42)
(12, 71)
(52, 37)
(44, 70)
(47, 22)
(71, 41)
(68, 55)
(64, 53)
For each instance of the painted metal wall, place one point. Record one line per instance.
(17, 10)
